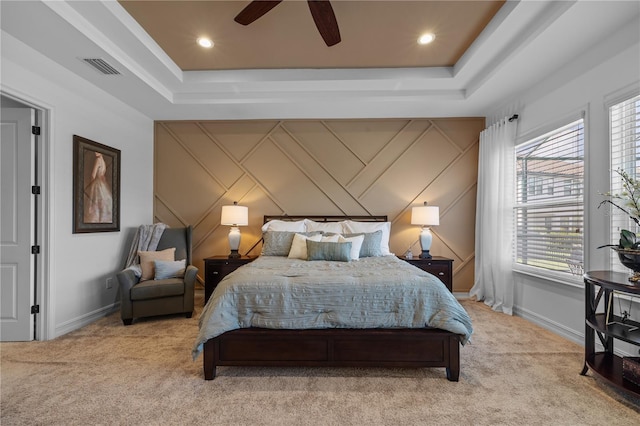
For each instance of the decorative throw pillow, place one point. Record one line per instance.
(370, 244)
(355, 227)
(169, 269)
(356, 244)
(148, 257)
(299, 246)
(278, 243)
(318, 250)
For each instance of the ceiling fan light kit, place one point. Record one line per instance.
(321, 11)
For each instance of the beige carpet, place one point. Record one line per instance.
(513, 373)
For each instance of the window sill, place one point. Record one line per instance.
(557, 277)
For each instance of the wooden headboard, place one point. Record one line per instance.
(317, 218)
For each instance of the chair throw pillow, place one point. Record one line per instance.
(169, 269)
(147, 259)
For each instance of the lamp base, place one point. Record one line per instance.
(425, 242)
(425, 254)
(234, 242)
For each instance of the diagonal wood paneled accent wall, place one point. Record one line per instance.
(326, 167)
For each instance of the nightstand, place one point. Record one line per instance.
(441, 267)
(218, 267)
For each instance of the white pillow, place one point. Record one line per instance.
(330, 238)
(352, 227)
(356, 244)
(299, 246)
(284, 225)
(329, 227)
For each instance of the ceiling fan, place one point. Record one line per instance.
(321, 11)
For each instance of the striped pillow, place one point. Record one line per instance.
(322, 250)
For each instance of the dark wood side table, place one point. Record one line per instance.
(606, 364)
(218, 267)
(441, 267)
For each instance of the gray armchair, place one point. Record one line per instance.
(160, 297)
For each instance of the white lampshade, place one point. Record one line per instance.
(425, 215)
(235, 215)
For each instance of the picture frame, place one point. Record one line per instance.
(96, 187)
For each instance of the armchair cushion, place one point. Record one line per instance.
(153, 289)
(148, 257)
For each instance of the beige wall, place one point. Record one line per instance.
(321, 167)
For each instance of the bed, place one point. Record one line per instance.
(289, 311)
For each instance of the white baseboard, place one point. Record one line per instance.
(553, 326)
(460, 295)
(562, 330)
(86, 319)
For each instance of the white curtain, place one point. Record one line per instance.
(494, 217)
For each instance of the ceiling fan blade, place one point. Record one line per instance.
(325, 20)
(255, 10)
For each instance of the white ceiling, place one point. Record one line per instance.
(525, 41)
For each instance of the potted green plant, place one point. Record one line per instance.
(628, 201)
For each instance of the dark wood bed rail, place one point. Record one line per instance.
(414, 348)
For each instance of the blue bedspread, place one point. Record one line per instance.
(373, 292)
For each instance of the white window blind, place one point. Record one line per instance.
(549, 200)
(624, 124)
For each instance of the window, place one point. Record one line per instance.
(624, 124)
(549, 223)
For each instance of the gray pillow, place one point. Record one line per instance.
(370, 245)
(278, 243)
(323, 250)
(169, 269)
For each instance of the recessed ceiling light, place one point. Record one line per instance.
(205, 42)
(426, 38)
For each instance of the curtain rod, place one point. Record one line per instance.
(513, 117)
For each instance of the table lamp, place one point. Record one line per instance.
(234, 216)
(425, 216)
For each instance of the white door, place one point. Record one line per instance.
(16, 217)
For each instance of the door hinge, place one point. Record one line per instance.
(35, 130)
(35, 189)
(35, 249)
(35, 309)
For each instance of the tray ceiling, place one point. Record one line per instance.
(375, 34)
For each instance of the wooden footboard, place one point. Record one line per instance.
(334, 348)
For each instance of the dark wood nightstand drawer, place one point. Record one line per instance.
(440, 271)
(441, 267)
(218, 267)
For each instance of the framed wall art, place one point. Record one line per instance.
(96, 187)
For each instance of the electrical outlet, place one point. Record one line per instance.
(109, 283)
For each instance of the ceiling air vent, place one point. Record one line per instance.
(101, 65)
